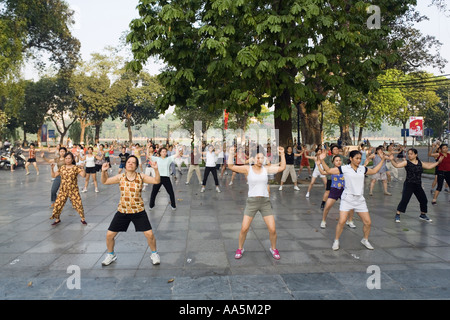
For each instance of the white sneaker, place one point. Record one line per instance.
(217, 189)
(187, 183)
(296, 188)
(96, 190)
(323, 224)
(280, 188)
(367, 244)
(143, 189)
(307, 194)
(110, 258)
(350, 224)
(231, 183)
(173, 208)
(155, 258)
(84, 190)
(203, 189)
(335, 245)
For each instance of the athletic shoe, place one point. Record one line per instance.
(96, 190)
(350, 224)
(296, 188)
(335, 245)
(275, 254)
(425, 218)
(280, 188)
(388, 193)
(155, 258)
(239, 253)
(84, 190)
(397, 218)
(231, 183)
(173, 208)
(187, 183)
(217, 189)
(323, 224)
(203, 189)
(110, 258)
(367, 244)
(307, 194)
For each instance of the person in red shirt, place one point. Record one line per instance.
(444, 171)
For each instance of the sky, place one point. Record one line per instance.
(101, 23)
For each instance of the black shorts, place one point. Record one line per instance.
(335, 193)
(90, 170)
(98, 167)
(121, 221)
(31, 160)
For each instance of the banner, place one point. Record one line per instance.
(225, 117)
(44, 133)
(416, 126)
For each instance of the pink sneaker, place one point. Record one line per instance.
(239, 253)
(275, 254)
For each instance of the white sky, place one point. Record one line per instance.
(100, 23)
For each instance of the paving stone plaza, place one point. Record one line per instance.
(197, 242)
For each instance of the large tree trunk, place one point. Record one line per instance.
(310, 126)
(284, 127)
(345, 134)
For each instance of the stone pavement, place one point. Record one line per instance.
(197, 244)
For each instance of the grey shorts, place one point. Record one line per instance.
(261, 204)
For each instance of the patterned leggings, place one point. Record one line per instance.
(75, 198)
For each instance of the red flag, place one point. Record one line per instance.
(226, 119)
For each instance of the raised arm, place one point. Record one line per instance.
(327, 169)
(378, 166)
(275, 168)
(105, 179)
(401, 164)
(152, 180)
(238, 169)
(431, 165)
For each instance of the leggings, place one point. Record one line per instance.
(165, 181)
(441, 176)
(206, 174)
(55, 187)
(75, 198)
(408, 190)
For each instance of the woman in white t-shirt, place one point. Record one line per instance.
(258, 197)
(353, 196)
(210, 157)
(89, 160)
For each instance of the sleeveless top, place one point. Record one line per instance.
(257, 183)
(130, 195)
(90, 161)
(413, 172)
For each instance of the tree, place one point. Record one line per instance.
(135, 96)
(245, 54)
(62, 111)
(35, 26)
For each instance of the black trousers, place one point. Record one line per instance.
(206, 174)
(165, 181)
(408, 190)
(441, 176)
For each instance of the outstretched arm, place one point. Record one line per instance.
(105, 179)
